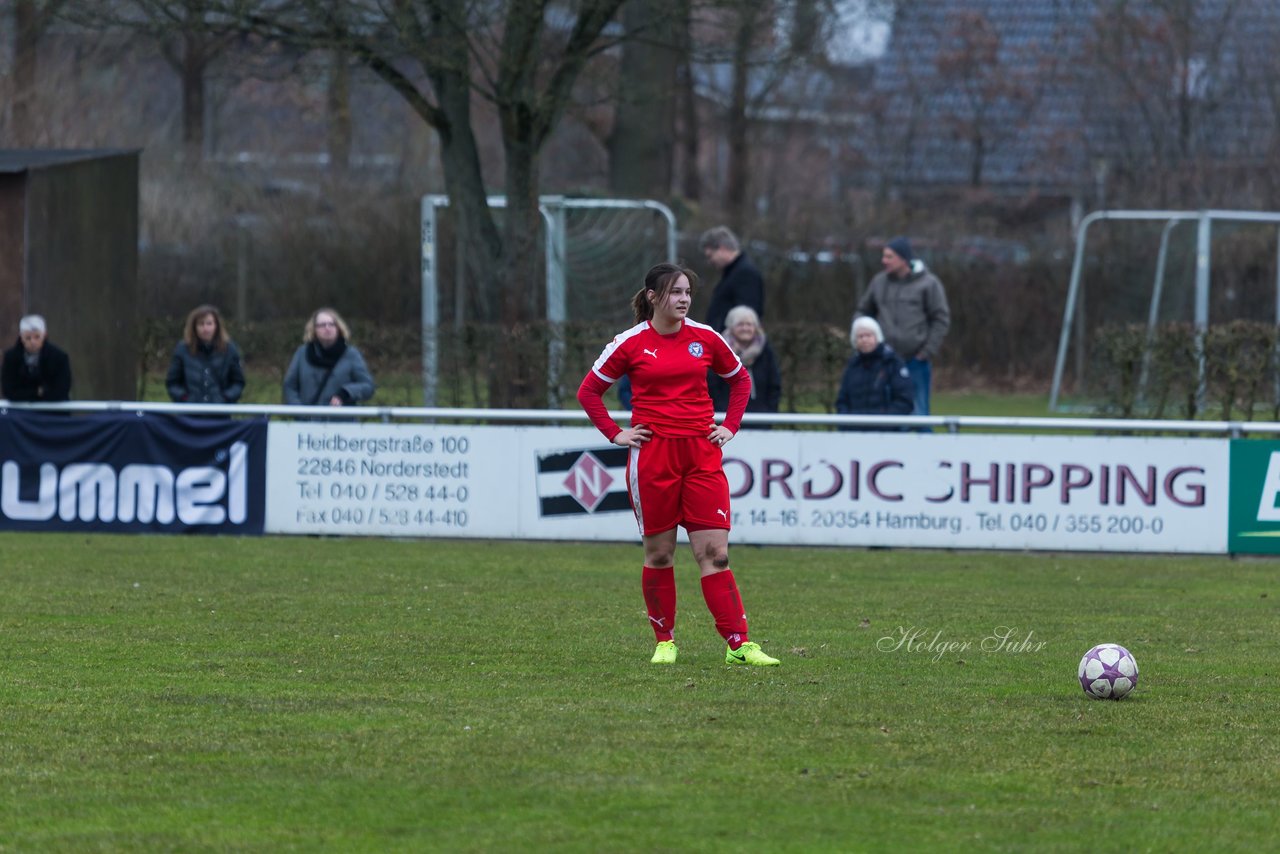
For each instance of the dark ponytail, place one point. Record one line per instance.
(660, 279)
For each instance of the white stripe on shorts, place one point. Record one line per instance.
(634, 462)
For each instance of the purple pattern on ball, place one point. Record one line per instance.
(1108, 672)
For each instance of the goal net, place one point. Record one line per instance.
(596, 252)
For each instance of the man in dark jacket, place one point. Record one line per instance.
(740, 282)
(34, 370)
(911, 306)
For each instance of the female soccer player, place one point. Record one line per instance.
(674, 472)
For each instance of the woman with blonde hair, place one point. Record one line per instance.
(745, 336)
(205, 367)
(327, 370)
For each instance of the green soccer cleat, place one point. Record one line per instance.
(665, 653)
(749, 653)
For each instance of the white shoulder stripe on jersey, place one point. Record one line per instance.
(614, 345)
(695, 324)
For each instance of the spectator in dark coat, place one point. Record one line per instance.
(746, 338)
(205, 367)
(740, 282)
(34, 370)
(327, 370)
(875, 381)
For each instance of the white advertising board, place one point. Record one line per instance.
(861, 489)
(970, 491)
(386, 480)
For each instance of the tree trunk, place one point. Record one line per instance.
(478, 241)
(691, 179)
(736, 129)
(26, 36)
(502, 266)
(524, 284)
(194, 62)
(479, 245)
(978, 159)
(640, 146)
(339, 109)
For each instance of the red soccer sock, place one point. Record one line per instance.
(725, 604)
(659, 587)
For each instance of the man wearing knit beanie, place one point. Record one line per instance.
(911, 306)
(901, 247)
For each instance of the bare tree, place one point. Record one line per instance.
(338, 108)
(1165, 83)
(524, 57)
(761, 45)
(30, 20)
(190, 45)
(643, 135)
(691, 178)
(191, 36)
(749, 17)
(987, 91)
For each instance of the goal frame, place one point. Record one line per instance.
(1204, 220)
(552, 208)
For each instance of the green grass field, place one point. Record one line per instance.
(182, 693)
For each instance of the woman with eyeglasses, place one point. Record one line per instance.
(327, 370)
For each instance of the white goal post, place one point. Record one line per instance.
(1204, 220)
(554, 211)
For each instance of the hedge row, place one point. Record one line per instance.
(1239, 377)
(472, 356)
(1132, 374)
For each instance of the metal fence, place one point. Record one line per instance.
(428, 414)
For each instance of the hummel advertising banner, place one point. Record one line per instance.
(859, 489)
(124, 473)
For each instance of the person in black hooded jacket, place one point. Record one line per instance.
(876, 380)
(205, 367)
(35, 371)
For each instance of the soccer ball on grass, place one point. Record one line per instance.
(1108, 672)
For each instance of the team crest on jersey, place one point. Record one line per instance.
(695, 349)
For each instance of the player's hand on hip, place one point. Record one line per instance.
(720, 435)
(633, 437)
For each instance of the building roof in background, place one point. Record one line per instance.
(13, 161)
(823, 95)
(1046, 109)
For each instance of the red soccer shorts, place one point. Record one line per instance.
(678, 481)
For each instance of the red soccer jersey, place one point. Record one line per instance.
(669, 375)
